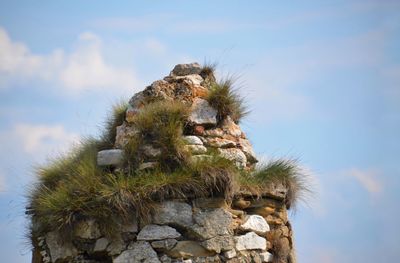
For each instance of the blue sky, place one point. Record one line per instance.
(322, 79)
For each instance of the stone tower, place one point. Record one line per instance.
(228, 223)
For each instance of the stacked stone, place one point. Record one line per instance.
(250, 229)
(197, 231)
(186, 83)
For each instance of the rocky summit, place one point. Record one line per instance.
(173, 180)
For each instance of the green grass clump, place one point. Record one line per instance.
(208, 71)
(285, 172)
(115, 119)
(227, 101)
(159, 124)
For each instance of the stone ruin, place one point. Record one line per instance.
(247, 229)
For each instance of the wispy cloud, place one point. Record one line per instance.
(41, 139)
(368, 179)
(84, 68)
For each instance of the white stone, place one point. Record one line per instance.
(255, 223)
(234, 155)
(116, 246)
(147, 166)
(101, 244)
(138, 252)
(173, 213)
(250, 241)
(200, 158)
(202, 113)
(156, 232)
(110, 157)
(266, 257)
(247, 149)
(194, 78)
(211, 222)
(195, 149)
(230, 254)
(191, 139)
(59, 250)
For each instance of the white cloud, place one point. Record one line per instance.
(41, 139)
(84, 68)
(368, 179)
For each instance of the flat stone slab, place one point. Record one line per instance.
(250, 241)
(173, 213)
(138, 252)
(255, 223)
(186, 69)
(156, 232)
(110, 157)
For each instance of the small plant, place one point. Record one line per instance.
(159, 124)
(227, 101)
(284, 172)
(208, 71)
(115, 119)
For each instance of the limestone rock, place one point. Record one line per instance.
(266, 257)
(87, 229)
(101, 245)
(156, 232)
(250, 241)
(255, 223)
(192, 140)
(230, 127)
(220, 143)
(196, 149)
(219, 243)
(195, 79)
(188, 249)
(186, 69)
(234, 155)
(211, 222)
(166, 244)
(59, 250)
(247, 149)
(230, 254)
(110, 157)
(116, 246)
(124, 133)
(173, 213)
(217, 132)
(138, 252)
(202, 113)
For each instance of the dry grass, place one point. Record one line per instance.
(115, 118)
(227, 100)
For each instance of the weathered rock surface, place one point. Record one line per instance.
(266, 257)
(250, 241)
(219, 243)
(156, 232)
(138, 252)
(234, 155)
(196, 149)
(193, 140)
(256, 224)
(187, 249)
(110, 157)
(211, 222)
(186, 69)
(101, 245)
(166, 244)
(174, 213)
(59, 250)
(202, 113)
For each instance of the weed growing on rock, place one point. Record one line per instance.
(115, 119)
(227, 101)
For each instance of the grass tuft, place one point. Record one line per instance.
(279, 172)
(115, 119)
(227, 100)
(160, 124)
